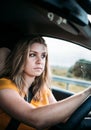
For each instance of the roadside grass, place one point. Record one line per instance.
(63, 72)
(72, 88)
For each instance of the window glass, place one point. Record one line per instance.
(70, 64)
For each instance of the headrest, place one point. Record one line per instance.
(4, 52)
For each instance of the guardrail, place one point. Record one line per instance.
(68, 81)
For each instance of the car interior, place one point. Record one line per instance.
(63, 20)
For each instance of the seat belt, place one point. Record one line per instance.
(14, 123)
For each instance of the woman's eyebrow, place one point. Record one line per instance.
(32, 51)
(37, 51)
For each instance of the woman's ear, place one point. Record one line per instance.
(4, 52)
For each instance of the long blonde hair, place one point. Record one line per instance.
(15, 63)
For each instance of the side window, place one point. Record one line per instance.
(70, 64)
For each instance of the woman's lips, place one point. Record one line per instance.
(38, 68)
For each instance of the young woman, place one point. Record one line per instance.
(27, 72)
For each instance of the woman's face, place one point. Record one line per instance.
(36, 59)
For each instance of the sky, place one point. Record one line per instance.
(65, 54)
(89, 17)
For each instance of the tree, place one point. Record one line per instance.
(82, 68)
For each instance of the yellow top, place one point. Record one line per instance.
(5, 118)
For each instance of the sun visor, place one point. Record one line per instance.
(86, 5)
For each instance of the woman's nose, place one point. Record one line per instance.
(39, 59)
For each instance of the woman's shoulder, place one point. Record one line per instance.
(47, 90)
(7, 84)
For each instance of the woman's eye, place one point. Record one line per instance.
(43, 56)
(31, 55)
